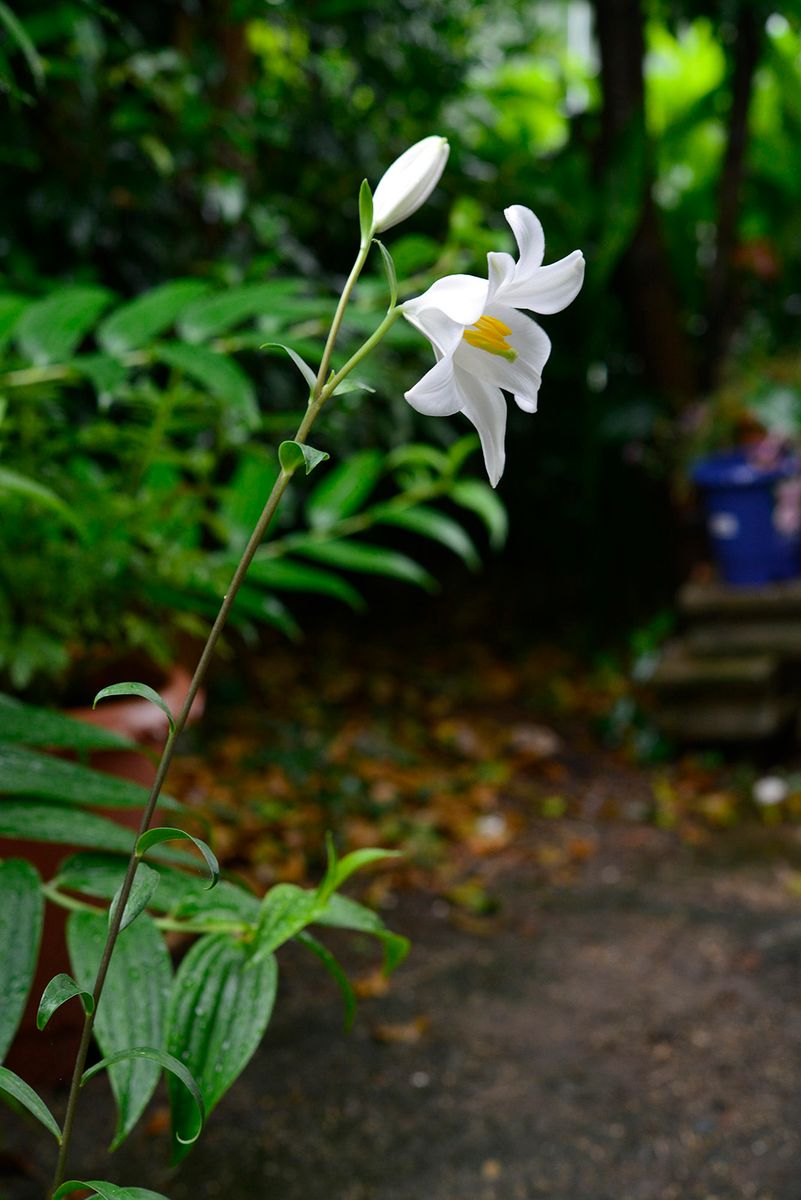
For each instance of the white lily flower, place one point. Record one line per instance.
(408, 183)
(482, 341)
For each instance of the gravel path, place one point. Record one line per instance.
(633, 1036)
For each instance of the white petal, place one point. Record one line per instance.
(460, 297)
(443, 333)
(528, 235)
(522, 376)
(485, 406)
(409, 182)
(545, 289)
(438, 393)
(500, 271)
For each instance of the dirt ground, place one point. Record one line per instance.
(634, 1034)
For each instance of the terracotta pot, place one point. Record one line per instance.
(47, 1057)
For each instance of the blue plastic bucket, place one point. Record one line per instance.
(753, 540)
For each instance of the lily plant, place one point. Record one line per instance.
(484, 345)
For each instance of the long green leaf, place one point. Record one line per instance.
(31, 489)
(219, 375)
(220, 1006)
(189, 1130)
(36, 821)
(285, 911)
(367, 559)
(28, 773)
(344, 489)
(20, 35)
(133, 1012)
(136, 323)
(11, 308)
(284, 574)
(430, 523)
(11, 1085)
(50, 330)
(479, 498)
(155, 837)
(214, 315)
(343, 913)
(28, 725)
(100, 875)
(143, 690)
(335, 971)
(144, 886)
(106, 1191)
(59, 990)
(21, 914)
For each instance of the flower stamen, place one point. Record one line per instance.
(490, 334)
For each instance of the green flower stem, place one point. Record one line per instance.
(362, 352)
(325, 362)
(320, 394)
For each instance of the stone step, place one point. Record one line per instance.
(727, 721)
(681, 671)
(781, 638)
(716, 599)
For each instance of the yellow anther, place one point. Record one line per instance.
(490, 334)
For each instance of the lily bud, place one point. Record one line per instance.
(408, 183)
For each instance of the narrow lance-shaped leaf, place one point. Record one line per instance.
(11, 1085)
(28, 725)
(133, 1012)
(343, 913)
(365, 211)
(142, 690)
(59, 990)
(306, 371)
(144, 886)
(430, 523)
(366, 558)
(105, 1190)
(50, 330)
(140, 320)
(29, 773)
(155, 837)
(480, 499)
(22, 485)
(221, 376)
(188, 1130)
(220, 1006)
(335, 971)
(389, 267)
(21, 914)
(344, 489)
(286, 574)
(36, 821)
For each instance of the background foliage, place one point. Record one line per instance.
(223, 145)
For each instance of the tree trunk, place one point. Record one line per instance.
(644, 276)
(722, 301)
